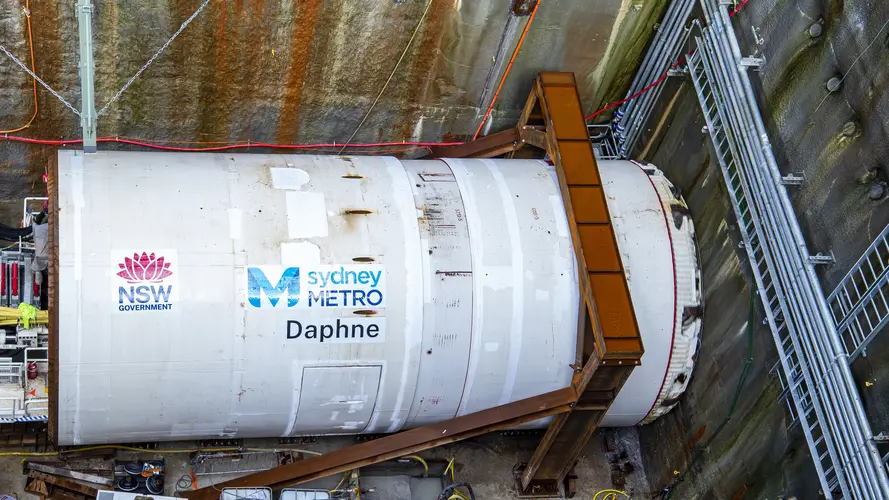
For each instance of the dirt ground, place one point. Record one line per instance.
(610, 460)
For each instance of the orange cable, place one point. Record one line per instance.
(33, 80)
(506, 73)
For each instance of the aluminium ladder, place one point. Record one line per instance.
(814, 365)
(860, 303)
(802, 403)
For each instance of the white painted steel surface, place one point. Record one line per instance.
(480, 292)
(655, 236)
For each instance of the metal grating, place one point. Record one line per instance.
(11, 374)
(604, 143)
(859, 303)
(294, 494)
(814, 365)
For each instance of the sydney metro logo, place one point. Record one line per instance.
(317, 286)
(150, 284)
(259, 284)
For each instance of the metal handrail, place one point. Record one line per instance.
(12, 372)
(13, 411)
(40, 405)
(823, 343)
(43, 360)
(747, 214)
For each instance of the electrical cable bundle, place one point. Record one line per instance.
(450, 491)
(9, 233)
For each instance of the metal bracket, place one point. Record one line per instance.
(821, 259)
(756, 38)
(751, 62)
(794, 179)
(680, 71)
(549, 489)
(88, 116)
(882, 437)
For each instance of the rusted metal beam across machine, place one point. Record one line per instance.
(485, 147)
(602, 280)
(403, 443)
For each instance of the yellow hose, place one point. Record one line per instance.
(10, 316)
(450, 468)
(418, 459)
(345, 474)
(610, 495)
(27, 454)
(456, 495)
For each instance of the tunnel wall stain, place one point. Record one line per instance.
(290, 71)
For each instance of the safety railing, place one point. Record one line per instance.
(294, 494)
(11, 374)
(860, 303)
(36, 406)
(604, 143)
(11, 407)
(814, 365)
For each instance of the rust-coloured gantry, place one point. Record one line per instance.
(608, 341)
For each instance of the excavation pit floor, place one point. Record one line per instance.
(610, 460)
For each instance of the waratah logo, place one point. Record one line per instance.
(144, 268)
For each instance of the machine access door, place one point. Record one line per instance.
(337, 399)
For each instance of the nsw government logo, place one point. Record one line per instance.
(145, 280)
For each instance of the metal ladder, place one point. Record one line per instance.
(801, 404)
(814, 367)
(860, 303)
(859, 307)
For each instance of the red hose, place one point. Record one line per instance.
(15, 280)
(224, 147)
(659, 79)
(506, 73)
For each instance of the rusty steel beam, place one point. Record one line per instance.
(488, 146)
(63, 483)
(400, 444)
(534, 137)
(70, 474)
(607, 350)
(52, 186)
